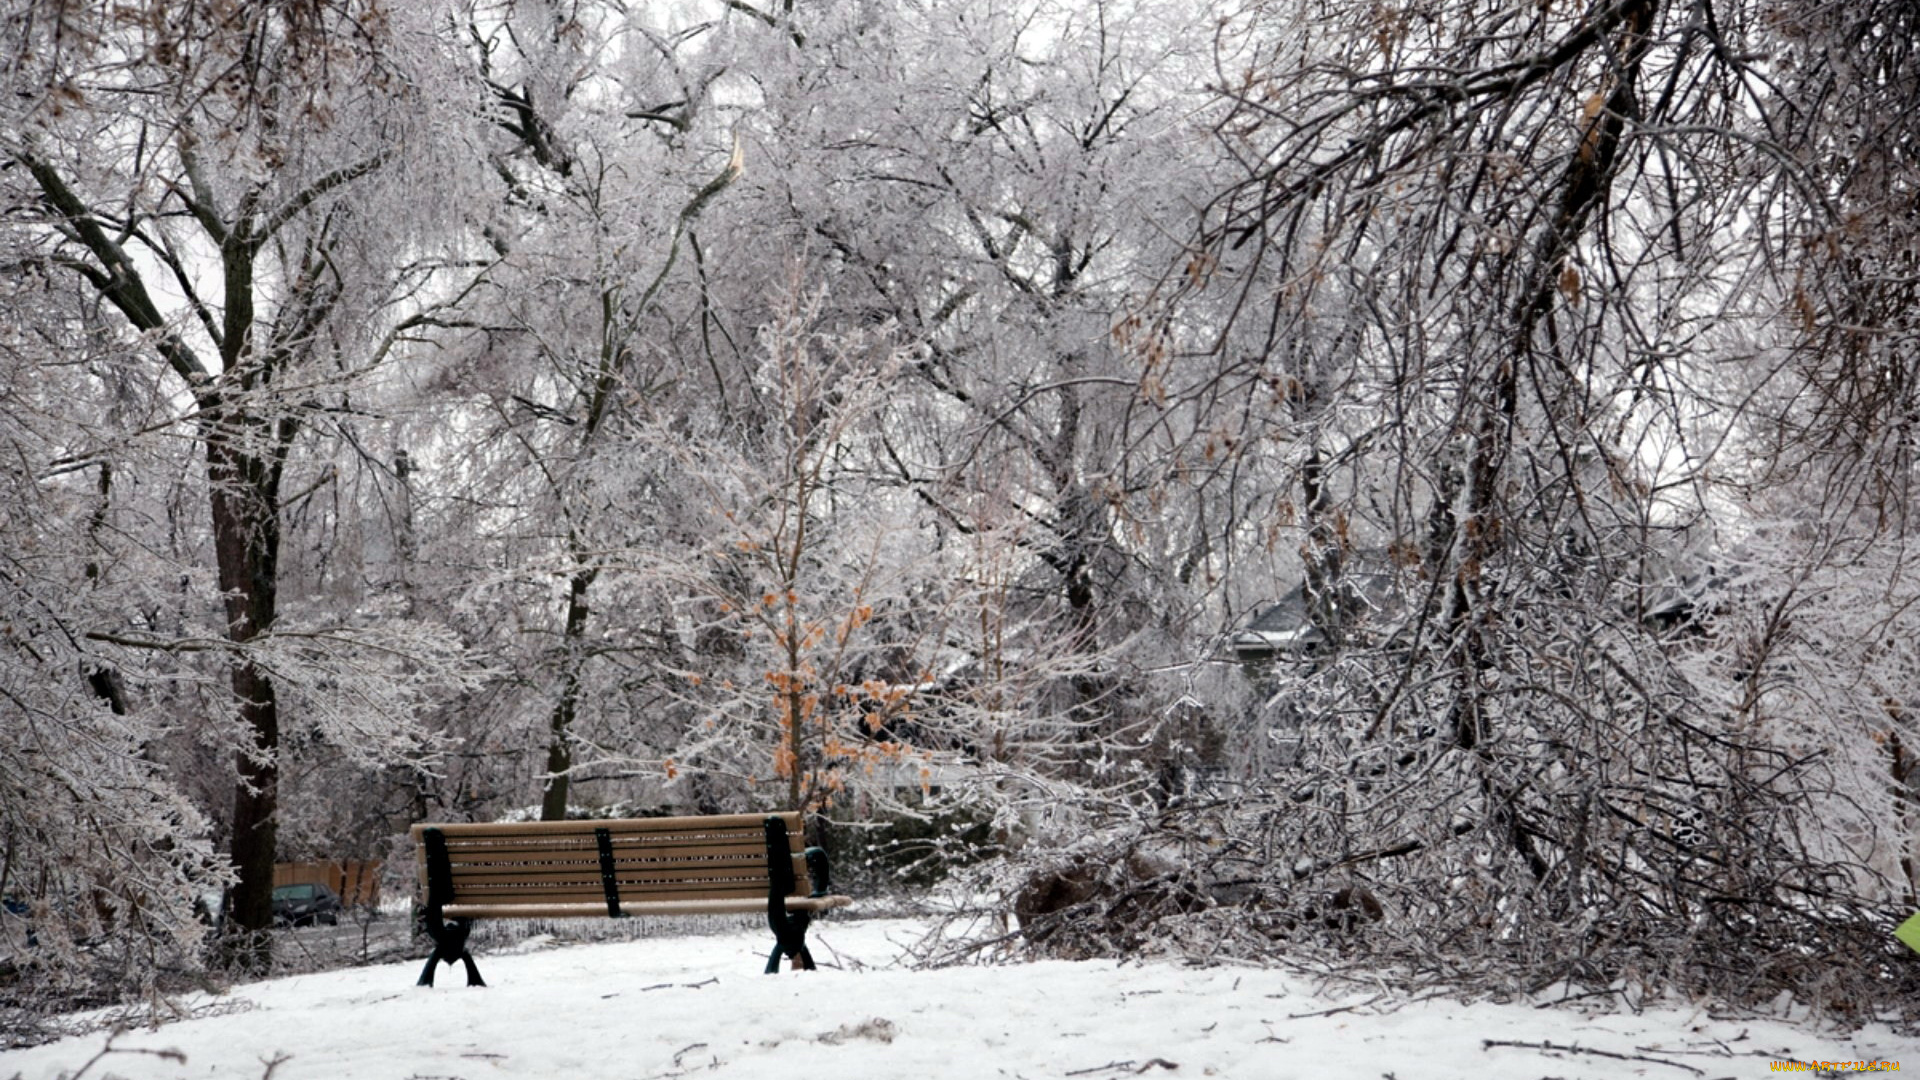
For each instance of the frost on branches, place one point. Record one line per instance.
(1579, 371)
(1414, 484)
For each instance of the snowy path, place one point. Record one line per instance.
(696, 1007)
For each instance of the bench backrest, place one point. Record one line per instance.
(539, 863)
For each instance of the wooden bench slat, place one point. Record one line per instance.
(639, 876)
(577, 838)
(652, 907)
(523, 894)
(495, 875)
(524, 853)
(627, 876)
(634, 875)
(519, 896)
(697, 825)
(519, 891)
(640, 859)
(623, 871)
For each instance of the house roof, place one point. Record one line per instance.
(1282, 626)
(1285, 626)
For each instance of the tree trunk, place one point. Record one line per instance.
(558, 786)
(246, 531)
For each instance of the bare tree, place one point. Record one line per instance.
(1023, 176)
(594, 223)
(1522, 301)
(206, 196)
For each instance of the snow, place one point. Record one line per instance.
(697, 1006)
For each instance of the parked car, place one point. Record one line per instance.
(305, 904)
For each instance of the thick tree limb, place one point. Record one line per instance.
(117, 279)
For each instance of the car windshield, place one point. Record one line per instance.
(293, 892)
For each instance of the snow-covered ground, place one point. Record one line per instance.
(698, 1007)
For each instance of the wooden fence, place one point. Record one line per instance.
(357, 881)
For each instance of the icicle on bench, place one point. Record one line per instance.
(735, 863)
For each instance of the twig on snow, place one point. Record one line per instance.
(1127, 1065)
(1488, 1044)
(1331, 1012)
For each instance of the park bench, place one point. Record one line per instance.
(724, 864)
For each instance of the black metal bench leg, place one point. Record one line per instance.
(790, 940)
(789, 928)
(449, 945)
(473, 969)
